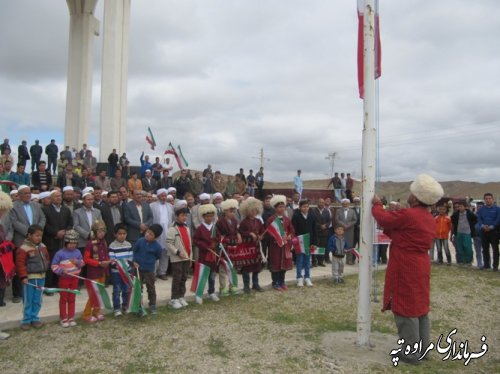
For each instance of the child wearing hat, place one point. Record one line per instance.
(68, 261)
(146, 252)
(96, 258)
(180, 250)
(227, 225)
(207, 239)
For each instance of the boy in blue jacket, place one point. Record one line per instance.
(146, 252)
(338, 246)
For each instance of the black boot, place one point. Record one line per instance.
(2, 294)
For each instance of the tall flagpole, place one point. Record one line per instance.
(368, 176)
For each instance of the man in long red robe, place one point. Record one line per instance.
(407, 279)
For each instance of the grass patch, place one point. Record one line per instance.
(217, 347)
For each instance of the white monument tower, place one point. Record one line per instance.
(82, 29)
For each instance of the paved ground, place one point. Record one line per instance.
(11, 314)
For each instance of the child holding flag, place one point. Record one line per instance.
(228, 229)
(32, 262)
(96, 258)
(338, 246)
(207, 238)
(280, 231)
(66, 262)
(146, 252)
(180, 249)
(121, 256)
(304, 225)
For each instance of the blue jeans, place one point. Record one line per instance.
(440, 244)
(32, 301)
(303, 262)
(479, 251)
(119, 287)
(246, 279)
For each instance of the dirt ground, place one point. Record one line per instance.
(309, 330)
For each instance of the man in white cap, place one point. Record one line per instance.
(346, 217)
(23, 214)
(69, 199)
(149, 184)
(203, 198)
(163, 214)
(407, 279)
(84, 217)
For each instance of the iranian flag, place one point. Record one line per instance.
(303, 244)
(318, 250)
(277, 231)
(233, 277)
(170, 150)
(361, 45)
(135, 296)
(123, 269)
(151, 139)
(180, 158)
(200, 278)
(355, 252)
(97, 294)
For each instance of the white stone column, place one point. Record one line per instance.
(113, 128)
(82, 29)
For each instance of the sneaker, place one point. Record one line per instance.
(124, 310)
(308, 282)
(199, 300)
(175, 304)
(4, 335)
(117, 312)
(224, 292)
(213, 297)
(91, 319)
(100, 317)
(16, 299)
(37, 324)
(277, 287)
(233, 291)
(258, 288)
(64, 323)
(183, 302)
(300, 282)
(152, 309)
(284, 287)
(71, 323)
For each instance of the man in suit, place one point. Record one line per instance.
(24, 214)
(346, 217)
(58, 219)
(163, 214)
(112, 214)
(137, 216)
(323, 222)
(84, 217)
(149, 184)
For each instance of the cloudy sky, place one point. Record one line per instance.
(226, 78)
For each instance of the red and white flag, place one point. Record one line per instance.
(378, 49)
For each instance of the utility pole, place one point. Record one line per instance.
(331, 157)
(262, 158)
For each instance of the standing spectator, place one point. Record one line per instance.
(7, 157)
(488, 219)
(83, 219)
(298, 184)
(134, 183)
(242, 176)
(86, 180)
(208, 186)
(240, 186)
(77, 163)
(163, 215)
(112, 162)
(68, 155)
(196, 185)
(349, 185)
(230, 187)
(357, 210)
(182, 184)
(166, 180)
(346, 218)
(145, 164)
(407, 279)
(443, 229)
(41, 178)
(149, 184)
(36, 151)
(90, 162)
(83, 151)
(477, 239)
(67, 178)
(219, 183)
(61, 163)
(463, 222)
(137, 216)
(117, 181)
(5, 145)
(323, 222)
(156, 170)
(251, 183)
(20, 177)
(112, 214)
(22, 153)
(124, 165)
(207, 170)
(259, 181)
(304, 222)
(337, 187)
(103, 181)
(52, 151)
(343, 183)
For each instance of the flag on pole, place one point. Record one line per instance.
(123, 269)
(54, 290)
(200, 278)
(151, 139)
(277, 231)
(170, 150)
(228, 266)
(135, 296)
(355, 252)
(184, 164)
(318, 250)
(97, 294)
(378, 48)
(303, 244)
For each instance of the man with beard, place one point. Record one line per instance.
(323, 222)
(69, 199)
(163, 214)
(112, 214)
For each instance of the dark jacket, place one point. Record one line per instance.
(471, 218)
(55, 221)
(35, 179)
(61, 180)
(51, 150)
(305, 226)
(36, 151)
(107, 217)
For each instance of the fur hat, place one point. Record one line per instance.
(5, 202)
(98, 225)
(278, 199)
(250, 204)
(71, 236)
(426, 189)
(229, 204)
(156, 229)
(207, 208)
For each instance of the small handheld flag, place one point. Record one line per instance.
(151, 139)
(200, 278)
(54, 290)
